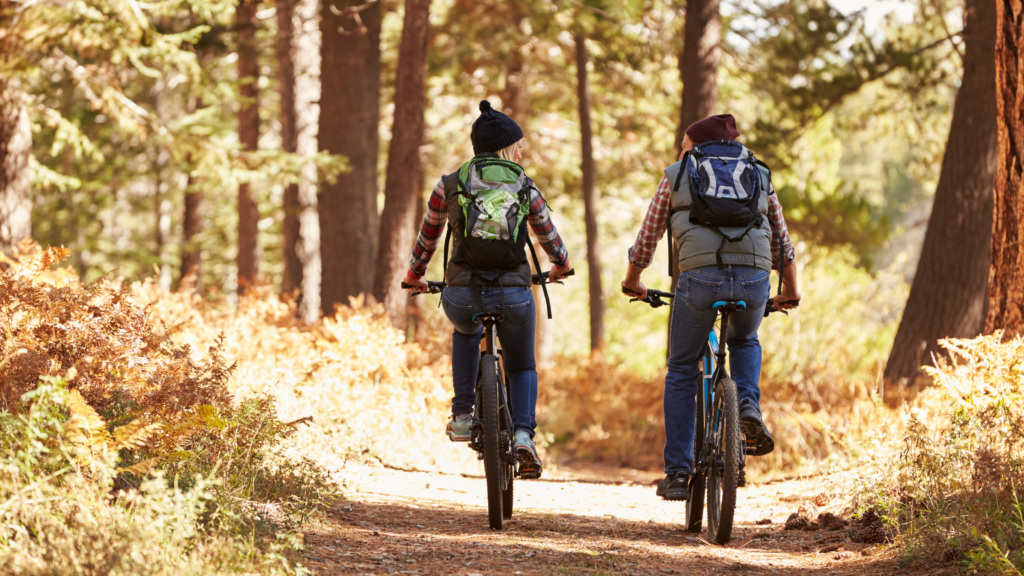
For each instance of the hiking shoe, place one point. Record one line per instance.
(460, 428)
(675, 486)
(758, 441)
(529, 462)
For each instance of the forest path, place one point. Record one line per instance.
(582, 521)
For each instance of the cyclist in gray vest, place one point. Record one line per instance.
(743, 274)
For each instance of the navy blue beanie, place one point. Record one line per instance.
(493, 130)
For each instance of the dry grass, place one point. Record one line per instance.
(955, 490)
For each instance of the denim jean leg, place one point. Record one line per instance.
(692, 319)
(517, 335)
(752, 286)
(465, 348)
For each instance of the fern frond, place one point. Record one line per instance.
(85, 428)
(134, 434)
(140, 468)
(210, 416)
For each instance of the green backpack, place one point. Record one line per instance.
(494, 195)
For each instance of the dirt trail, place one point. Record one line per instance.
(582, 521)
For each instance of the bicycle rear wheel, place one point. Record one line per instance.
(508, 468)
(725, 464)
(493, 461)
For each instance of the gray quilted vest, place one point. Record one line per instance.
(696, 245)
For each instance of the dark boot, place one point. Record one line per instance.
(758, 440)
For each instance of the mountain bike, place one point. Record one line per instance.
(719, 446)
(492, 429)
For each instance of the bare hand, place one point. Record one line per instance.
(786, 301)
(557, 272)
(418, 285)
(636, 289)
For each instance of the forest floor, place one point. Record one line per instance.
(578, 520)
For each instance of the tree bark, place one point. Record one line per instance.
(1006, 276)
(589, 198)
(306, 55)
(15, 148)
(248, 135)
(698, 64)
(698, 69)
(402, 186)
(292, 278)
(350, 78)
(948, 296)
(192, 226)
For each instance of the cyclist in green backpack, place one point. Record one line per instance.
(487, 204)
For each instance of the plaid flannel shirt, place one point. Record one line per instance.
(437, 216)
(653, 228)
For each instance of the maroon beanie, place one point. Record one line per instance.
(720, 127)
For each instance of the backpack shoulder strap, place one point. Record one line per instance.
(766, 175)
(536, 265)
(451, 186)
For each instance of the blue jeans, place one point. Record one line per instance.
(517, 334)
(692, 319)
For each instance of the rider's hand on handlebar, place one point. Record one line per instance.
(637, 290)
(786, 301)
(558, 272)
(418, 284)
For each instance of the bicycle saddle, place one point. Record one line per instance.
(484, 316)
(730, 304)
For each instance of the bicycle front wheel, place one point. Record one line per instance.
(725, 464)
(493, 468)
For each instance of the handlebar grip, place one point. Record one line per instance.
(406, 286)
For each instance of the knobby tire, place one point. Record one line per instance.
(493, 461)
(722, 482)
(698, 482)
(508, 470)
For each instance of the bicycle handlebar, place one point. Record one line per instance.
(655, 300)
(437, 287)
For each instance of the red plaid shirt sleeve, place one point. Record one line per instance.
(780, 234)
(433, 225)
(544, 228)
(653, 228)
(437, 216)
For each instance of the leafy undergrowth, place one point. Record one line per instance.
(955, 492)
(120, 447)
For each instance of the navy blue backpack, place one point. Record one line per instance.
(726, 182)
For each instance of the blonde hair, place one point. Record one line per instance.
(506, 152)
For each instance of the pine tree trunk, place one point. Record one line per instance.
(192, 226)
(349, 114)
(590, 198)
(698, 69)
(306, 55)
(15, 148)
(698, 64)
(292, 278)
(1006, 277)
(948, 297)
(402, 186)
(248, 135)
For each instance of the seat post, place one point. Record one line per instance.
(725, 310)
